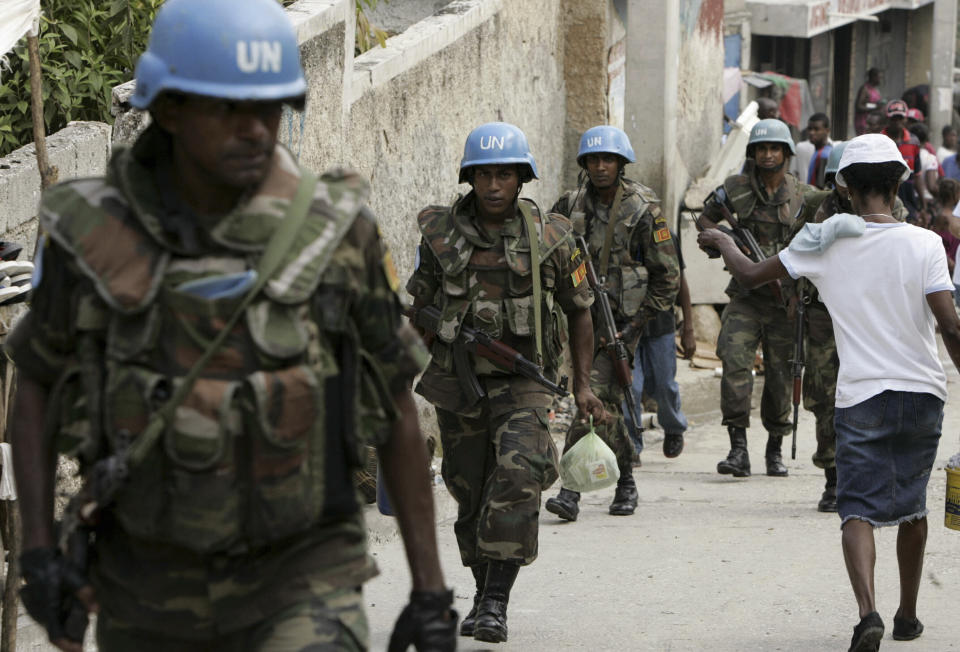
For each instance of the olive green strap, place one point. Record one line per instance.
(611, 225)
(273, 255)
(534, 240)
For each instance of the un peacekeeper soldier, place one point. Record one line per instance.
(239, 527)
(766, 200)
(633, 249)
(820, 349)
(475, 266)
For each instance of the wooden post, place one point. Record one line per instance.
(48, 174)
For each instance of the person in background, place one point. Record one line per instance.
(930, 168)
(655, 368)
(912, 189)
(949, 146)
(869, 99)
(891, 386)
(948, 194)
(875, 123)
(813, 153)
(767, 108)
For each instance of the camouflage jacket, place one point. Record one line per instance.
(643, 274)
(768, 218)
(485, 280)
(256, 459)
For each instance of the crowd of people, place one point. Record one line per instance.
(216, 335)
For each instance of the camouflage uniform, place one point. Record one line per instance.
(755, 316)
(820, 349)
(497, 451)
(243, 516)
(642, 280)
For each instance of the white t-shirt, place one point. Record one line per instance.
(875, 288)
(943, 153)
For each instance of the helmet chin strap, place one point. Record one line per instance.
(775, 168)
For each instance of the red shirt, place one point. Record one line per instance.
(909, 148)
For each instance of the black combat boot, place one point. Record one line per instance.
(491, 623)
(738, 460)
(480, 576)
(828, 502)
(566, 504)
(775, 466)
(625, 499)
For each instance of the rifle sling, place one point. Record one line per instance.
(278, 246)
(534, 238)
(608, 234)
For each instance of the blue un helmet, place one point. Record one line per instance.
(218, 48)
(605, 139)
(771, 130)
(498, 143)
(833, 161)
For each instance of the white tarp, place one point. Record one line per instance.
(17, 17)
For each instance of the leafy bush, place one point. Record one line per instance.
(86, 48)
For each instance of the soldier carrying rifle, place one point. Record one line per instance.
(631, 249)
(216, 336)
(765, 200)
(496, 267)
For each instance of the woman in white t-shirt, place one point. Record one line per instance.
(885, 284)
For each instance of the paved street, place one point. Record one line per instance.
(707, 562)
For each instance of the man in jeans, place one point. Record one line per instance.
(655, 369)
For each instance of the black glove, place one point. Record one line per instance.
(428, 623)
(48, 596)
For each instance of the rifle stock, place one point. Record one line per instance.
(479, 343)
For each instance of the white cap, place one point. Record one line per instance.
(871, 148)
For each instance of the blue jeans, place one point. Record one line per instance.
(654, 372)
(886, 446)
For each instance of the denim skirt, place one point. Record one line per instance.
(886, 447)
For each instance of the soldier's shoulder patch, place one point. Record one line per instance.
(389, 268)
(661, 235)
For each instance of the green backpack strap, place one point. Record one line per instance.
(273, 255)
(534, 240)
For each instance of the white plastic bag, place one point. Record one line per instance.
(589, 465)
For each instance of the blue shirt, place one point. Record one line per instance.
(951, 169)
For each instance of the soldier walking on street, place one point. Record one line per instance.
(631, 246)
(766, 201)
(203, 320)
(493, 262)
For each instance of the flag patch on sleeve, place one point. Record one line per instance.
(579, 274)
(661, 235)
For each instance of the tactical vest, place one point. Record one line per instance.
(625, 277)
(492, 290)
(262, 446)
(770, 223)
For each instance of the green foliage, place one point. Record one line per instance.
(86, 48)
(365, 32)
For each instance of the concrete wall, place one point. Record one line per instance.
(81, 149)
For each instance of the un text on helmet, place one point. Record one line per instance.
(491, 142)
(259, 56)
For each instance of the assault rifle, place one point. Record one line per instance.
(797, 367)
(75, 529)
(744, 239)
(479, 343)
(616, 349)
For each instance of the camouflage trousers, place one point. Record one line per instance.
(820, 381)
(746, 323)
(331, 622)
(496, 466)
(614, 432)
